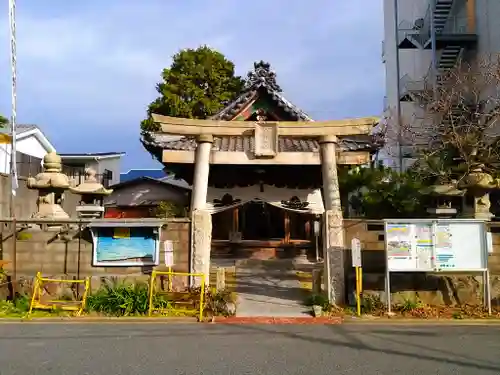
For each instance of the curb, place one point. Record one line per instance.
(277, 320)
(423, 322)
(73, 320)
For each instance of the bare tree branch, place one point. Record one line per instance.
(459, 128)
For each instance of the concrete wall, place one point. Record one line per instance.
(431, 289)
(111, 164)
(71, 257)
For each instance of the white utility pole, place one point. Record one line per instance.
(13, 117)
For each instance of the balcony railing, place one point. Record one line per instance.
(419, 31)
(410, 32)
(411, 86)
(457, 25)
(30, 166)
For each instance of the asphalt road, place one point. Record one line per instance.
(152, 348)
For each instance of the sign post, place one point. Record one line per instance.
(356, 263)
(169, 261)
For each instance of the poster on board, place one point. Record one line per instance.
(168, 248)
(445, 255)
(125, 247)
(423, 246)
(399, 247)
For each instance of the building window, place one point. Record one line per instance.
(107, 177)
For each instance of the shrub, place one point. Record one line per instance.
(120, 299)
(319, 300)
(372, 304)
(377, 193)
(18, 307)
(219, 303)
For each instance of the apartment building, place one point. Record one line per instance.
(422, 40)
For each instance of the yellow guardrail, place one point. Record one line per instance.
(36, 299)
(176, 298)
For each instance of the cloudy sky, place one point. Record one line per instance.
(87, 69)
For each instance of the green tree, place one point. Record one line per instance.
(198, 84)
(3, 121)
(377, 193)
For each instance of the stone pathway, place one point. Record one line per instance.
(269, 289)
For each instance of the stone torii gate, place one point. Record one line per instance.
(266, 147)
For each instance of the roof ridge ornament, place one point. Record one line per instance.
(262, 75)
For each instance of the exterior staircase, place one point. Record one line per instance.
(442, 14)
(448, 60)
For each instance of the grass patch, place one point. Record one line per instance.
(119, 300)
(20, 306)
(133, 300)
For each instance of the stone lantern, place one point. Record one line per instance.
(479, 184)
(92, 194)
(442, 196)
(51, 185)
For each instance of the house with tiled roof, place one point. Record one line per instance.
(137, 198)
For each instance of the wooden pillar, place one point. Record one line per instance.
(236, 217)
(201, 170)
(307, 229)
(471, 16)
(287, 226)
(333, 251)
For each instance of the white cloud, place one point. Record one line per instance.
(99, 63)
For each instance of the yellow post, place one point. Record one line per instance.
(85, 293)
(360, 281)
(202, 297)
(151, 291)
(169, 279)
(36, 286)
(358, 292)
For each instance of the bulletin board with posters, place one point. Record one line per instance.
(436, 246)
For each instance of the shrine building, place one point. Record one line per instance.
(262, 172)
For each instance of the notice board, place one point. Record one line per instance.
(436, 245)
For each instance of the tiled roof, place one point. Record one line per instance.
(262, 78)
(132, 174)
(167, 181)
(21, 128)
(246, 143)
(92, 154)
